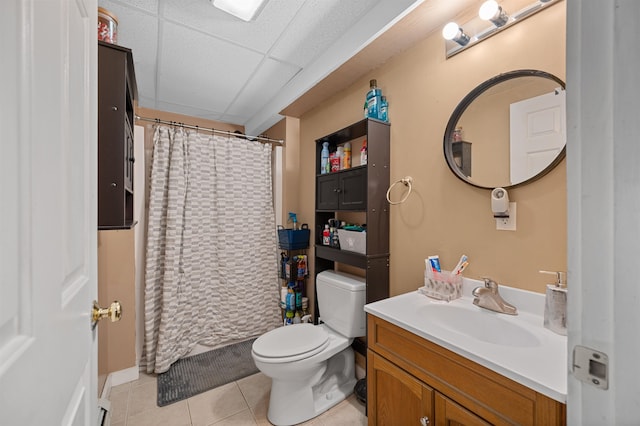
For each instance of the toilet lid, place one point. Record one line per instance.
(292, 340)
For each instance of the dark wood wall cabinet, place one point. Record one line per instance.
(361, 188)
(117, 92)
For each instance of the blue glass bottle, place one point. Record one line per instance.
(384, 109)
(374, 99)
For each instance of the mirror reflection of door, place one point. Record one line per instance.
(537, 134)
(484, 114)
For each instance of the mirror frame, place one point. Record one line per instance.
(467, 100)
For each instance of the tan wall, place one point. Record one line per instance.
(288, 129)
(443, 215)
(116, 281)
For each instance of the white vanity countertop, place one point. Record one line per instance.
(536, 357)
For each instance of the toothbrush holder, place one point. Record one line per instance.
(442, 285)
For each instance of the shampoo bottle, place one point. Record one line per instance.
(346, 162)
(363, 153)
(326, 236)
(324, 158)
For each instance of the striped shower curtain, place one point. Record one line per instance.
(211, 261)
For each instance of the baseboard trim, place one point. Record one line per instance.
(117, 378)
(125, 376)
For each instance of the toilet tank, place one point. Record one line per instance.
(341, 299)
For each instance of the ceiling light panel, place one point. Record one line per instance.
(246, 10)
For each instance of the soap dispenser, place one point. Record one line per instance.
(555, 304)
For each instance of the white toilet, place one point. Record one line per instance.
(312, 367)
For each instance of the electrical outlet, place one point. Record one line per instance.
(509, 223)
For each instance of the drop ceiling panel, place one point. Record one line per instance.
(146, 5)
(318, 25)
(141, 36)
(194, 59)
(188, 110)
(258, 35)
(201, 71)
(265, 83)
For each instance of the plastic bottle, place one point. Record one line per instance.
(288, 319)
(346, 162)
(324, 158)
(366, 110)
(335, 241)
(291, 298)
(457, 134)
(340, 154)
(293, 217)
(363, 153)
(302, 267)
(373, 100)
(326, 236)
(283, 270)
(283, 296)
(384, 109)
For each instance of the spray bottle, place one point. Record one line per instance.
(293, 218)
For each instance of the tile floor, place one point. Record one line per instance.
(240, 403)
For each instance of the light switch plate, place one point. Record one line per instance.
(591, 366)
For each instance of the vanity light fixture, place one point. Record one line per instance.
(492, 11)
(452, 31)
(246, 10)
(491, 20)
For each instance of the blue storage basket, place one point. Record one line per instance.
(292, 239)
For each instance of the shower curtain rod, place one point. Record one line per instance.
(262, 139)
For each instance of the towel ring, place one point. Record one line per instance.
(406, 181)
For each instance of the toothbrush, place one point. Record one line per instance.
(462, 268)
(459, 267)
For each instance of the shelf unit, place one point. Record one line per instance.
(117, 92)
(359, 189)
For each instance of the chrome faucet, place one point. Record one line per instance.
(488, 297)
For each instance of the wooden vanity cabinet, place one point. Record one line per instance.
(394, 396)
(409, 378)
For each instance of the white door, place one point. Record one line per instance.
(603, 206)
(537, 134)
(48, 138)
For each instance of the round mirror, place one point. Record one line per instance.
(508, 131)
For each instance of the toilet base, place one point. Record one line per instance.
(296, 401)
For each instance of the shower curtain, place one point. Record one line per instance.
(211, 262)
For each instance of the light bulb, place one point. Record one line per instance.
(491, 11)
(452, 31)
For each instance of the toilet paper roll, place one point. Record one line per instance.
(499, 201)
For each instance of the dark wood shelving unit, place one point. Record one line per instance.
(117, 92)
(360, 189)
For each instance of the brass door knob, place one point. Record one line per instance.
(113, 312)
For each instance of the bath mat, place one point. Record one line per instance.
(199, 373)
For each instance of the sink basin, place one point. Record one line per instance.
(479, 324)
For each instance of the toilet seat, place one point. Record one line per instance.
(291, 343)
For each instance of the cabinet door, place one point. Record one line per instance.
(394, 396)
(449, 413)
(128, 157)
(327, 192)
(353, 190)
